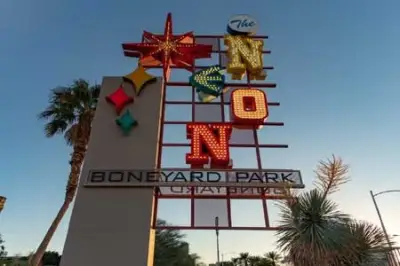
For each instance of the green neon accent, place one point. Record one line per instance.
(126, 122)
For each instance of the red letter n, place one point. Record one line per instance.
(208, 141)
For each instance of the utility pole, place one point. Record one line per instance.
(381, 220)
(217, 233)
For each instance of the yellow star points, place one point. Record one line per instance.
(139, 78)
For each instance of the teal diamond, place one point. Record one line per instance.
(126, 122)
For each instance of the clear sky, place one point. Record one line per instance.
(336, 66)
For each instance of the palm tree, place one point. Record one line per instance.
(170, 248)
(314, 232)
(244, 258)
(193, 259)
(70, 112)
(3, 252)
(254, 260)
(273, 257)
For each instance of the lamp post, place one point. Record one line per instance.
(379, 213)
(217, 233)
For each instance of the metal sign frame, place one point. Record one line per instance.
(222, 103)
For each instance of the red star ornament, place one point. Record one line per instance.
(168, 49)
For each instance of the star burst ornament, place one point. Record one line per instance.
(168, 49)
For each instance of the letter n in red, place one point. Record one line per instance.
(214, 138)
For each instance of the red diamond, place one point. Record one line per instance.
(119, 99)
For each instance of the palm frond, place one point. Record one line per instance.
(71, 110)
(72, 134)
(54, 127)
(331, 174)
(244, 255)
(370, 244)
(273, 256)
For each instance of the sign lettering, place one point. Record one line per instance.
(197, 178)
(208, 142)
(244, 53)
(249, 108)
(242, 25)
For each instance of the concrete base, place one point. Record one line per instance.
(112, 226)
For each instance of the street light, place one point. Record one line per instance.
(217, 233)
(379, 213)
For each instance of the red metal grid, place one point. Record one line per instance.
(192, 196)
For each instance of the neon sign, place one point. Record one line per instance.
(209, 83)
(249, 108)
(245, 54)
(208, 141)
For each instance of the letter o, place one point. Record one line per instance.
(249, 108)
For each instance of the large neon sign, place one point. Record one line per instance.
(249, 107)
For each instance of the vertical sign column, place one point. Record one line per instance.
(112, 226)
(205, 210)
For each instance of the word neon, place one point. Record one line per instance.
(248, 106)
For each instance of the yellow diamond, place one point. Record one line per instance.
(139, 78)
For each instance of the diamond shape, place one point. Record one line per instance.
(126, 122)
(140, 78)
(205, 97)
(119, 99)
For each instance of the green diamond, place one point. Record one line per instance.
(126, 122)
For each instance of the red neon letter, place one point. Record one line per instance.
(208, 141)
(249, 108)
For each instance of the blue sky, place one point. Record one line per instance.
(336, 65)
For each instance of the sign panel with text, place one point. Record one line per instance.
(219, 182)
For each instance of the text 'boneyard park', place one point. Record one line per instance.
(267, 178)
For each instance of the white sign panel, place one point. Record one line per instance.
(242, 25)
(200, 179)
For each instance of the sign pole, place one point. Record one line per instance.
(217, 233)
(381, 220)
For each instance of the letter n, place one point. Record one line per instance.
(214, 138)
(245, 53)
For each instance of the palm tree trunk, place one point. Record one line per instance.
(37, 257)
(76, 163)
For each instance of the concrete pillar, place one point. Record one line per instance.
(112, 226)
